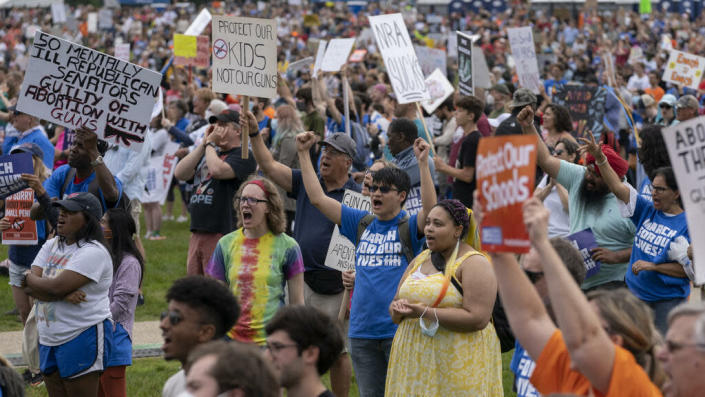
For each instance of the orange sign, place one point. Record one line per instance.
(505, 172)
(23, 230)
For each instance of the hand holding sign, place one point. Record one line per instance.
(536, 220)
(34, 183)
(305, 140)
(248, 118)
(89, 141)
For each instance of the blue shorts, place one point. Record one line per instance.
(121, 351)
(86, 353)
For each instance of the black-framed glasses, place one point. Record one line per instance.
(275, 348)
(174, 317)
(665, 106)
(659, 189)
(533, 276)
(250, 200)
(382, 189)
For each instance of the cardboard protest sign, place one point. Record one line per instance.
(585, 242)
(341, 251)
(505, 170)
(431, 59)
(685, 142)
(521, 41)
(337, 54)
(684, 69)
(464, 64)
(11, 169)
(439, 88)
(105, 19)
(160, 171)
(301, 65)
(58, 12)
(199, 24)
(480, 71)
(586, 106)
(184, 46)
(357, 56)
(75, 86)
(320, 53)
(245, 56)
(413, 203)
(92, 22)
(23, 230)
(122, 51)
(399, 57)
(202, 58)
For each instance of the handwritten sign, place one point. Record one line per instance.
(585, 242)
(341, 251)
(337, 54)
(122, 51)
(357, 56)
(506, 167)
(684, 69)
(199, 24)
(521, 41)
(184, 46)
(92, 22)
(320, 53)
(245, 56)
(160, 170)
(203, 54)
(399, 57)
(464, 64)
(58, 12)
(75, 86)
(586, 106)
(11, 169)
(685, 142)
(439, 88)
(23, 230)
(431, 59)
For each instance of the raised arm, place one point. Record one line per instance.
(276, 171)
(591, 350)
(548, 163)
(428, 190)
(614, 183)
(106, 181)
(330, 207)
(186, 167)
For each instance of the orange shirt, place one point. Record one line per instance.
(656, 92)
(553, 374)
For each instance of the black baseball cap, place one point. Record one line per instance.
(81, 202)
(227, 115)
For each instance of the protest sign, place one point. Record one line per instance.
(300, 65)
(92, 22)
(75, 86)
(686, 148)
(431, 59)
(337, 54)
(399, 57)
(319, 57)
(105, 19)
(521, 41)
(505, 172)
(58, 12)
(464, 64)
(199, 24)
(11, 169)
(184, 46)
(245, 56)
(311, 20)
(122, 51)
(684, 69)
(586, 106)
(357, 56)
(439, 88)
(413, 203)
(23, 230)
(480, 71)
(160, 171)
(585, 242)
(203, 54)
(341, 251)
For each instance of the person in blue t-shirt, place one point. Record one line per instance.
(651, 157)
(652, 276)
(380, 259)
(30, 131)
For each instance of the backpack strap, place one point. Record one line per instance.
(364, 223)
(67, 181)
(454, 280)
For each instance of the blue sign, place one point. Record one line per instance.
(11, 169)
(585, 242)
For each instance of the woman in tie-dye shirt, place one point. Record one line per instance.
(258, 259)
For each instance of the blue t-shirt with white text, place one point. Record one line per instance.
(523, 367)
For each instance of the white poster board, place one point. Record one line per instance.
(337, 54)
(341, 251)
(105, 19)
(301, 64)
(75, 86)
(480, 71)
(245, 56)
(159, 172)
(58, 12)
(403, 67)
(439, 88)
(684, 69)
(199, 24)
(431, 59)
(122, 51)
(320, 54)
(521, 41)
(92, 22)
(684, 142)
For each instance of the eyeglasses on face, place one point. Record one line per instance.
(174, 317)
(659, 189)
(665, 106)
(382, 189)
(533, 276)
(249, 200)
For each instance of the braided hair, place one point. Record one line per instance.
(459, 214)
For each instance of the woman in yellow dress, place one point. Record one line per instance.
(445, 344)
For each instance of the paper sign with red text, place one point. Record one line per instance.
(684, 69)
(23, 230)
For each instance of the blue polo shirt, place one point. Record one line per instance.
(35, 136)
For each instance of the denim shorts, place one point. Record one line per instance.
(17, 274)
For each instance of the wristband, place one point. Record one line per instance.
(213, 145)
(253, 134)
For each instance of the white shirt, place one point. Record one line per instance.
(559, 219)
(175, 384)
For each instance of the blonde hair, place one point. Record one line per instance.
(40, 170)
(276, 218)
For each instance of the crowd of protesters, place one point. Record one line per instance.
(425, 311)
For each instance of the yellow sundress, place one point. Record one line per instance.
(449, 363)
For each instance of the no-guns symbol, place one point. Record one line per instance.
(18, 224)
(220, 49)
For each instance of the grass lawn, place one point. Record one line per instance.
(166, 262)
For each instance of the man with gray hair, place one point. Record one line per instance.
(687, 108)
(683, 353)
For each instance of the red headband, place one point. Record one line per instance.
(261, 185)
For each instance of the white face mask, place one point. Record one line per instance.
(431, 330)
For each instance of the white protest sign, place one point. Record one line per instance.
(431, 59)
(439, 88)
(58, 12)
(480, 71)
(341, 251)
(92, 22)
(122, 51)
(684, 69)
(320, 54)
(245, 56)
(160, 170)
(521, 41)
(337, 54)
(199, 24)
(399, 57)
(685, 142)
(301, 64)
(75, 86)
(105, 19)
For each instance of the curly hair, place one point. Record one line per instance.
(276, 217)
(459, 214)
(561, 115)
(651, 152)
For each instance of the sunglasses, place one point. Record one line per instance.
(250, 200)
(533, 276)
(382, 189)
(174, 317)
(665, 106)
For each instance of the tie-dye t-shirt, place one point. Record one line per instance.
(256, 271)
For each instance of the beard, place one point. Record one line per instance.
(596, 194)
